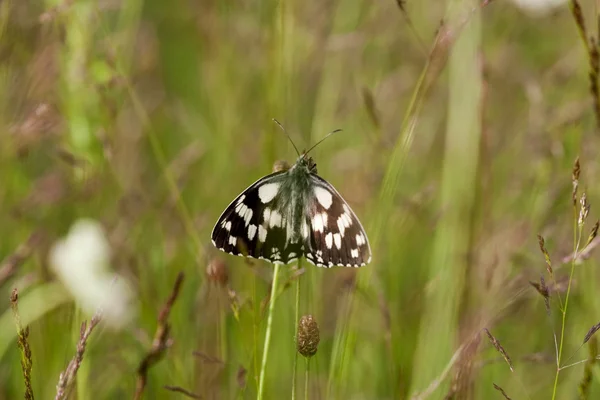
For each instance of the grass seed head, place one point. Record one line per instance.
(498, 388)
(591, 333)
(584, 210)
(496, 343)
(546, 255)
(543, 290)
(593, 233)
(575, 180)
(307, 340)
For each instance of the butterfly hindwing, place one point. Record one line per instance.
(254, 225)
(336, 236)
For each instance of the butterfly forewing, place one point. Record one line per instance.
(254, 226)
(336, 236)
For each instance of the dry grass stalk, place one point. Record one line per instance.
(161, 340)
(586, 381)
(23, 343)
(67, 377)
(575, 180)
(546, 255)
(496, 343)
(184, 392)
(544, 291)
(591, 333)
(498, 388)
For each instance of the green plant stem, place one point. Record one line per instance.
(306, 378)
(576, 240)
(255, 318)
(296, 321)
(272, 299)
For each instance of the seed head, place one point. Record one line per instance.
(546, 255)
(281, 165)
(307, 340)
(575, 180)
(584, 210)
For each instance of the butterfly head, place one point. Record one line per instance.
(307, 163)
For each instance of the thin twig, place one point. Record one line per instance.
(183, 391)
(161, 340)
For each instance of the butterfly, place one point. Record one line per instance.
(292, 213)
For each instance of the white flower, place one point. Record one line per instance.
(80, 260)
(538, 7)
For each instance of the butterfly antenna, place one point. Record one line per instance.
(288, 136)
(322, 140)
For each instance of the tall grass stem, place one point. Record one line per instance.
(272, 299)
(296, 319)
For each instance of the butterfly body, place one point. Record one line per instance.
(291, 213)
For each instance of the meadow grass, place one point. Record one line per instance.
(461, 120)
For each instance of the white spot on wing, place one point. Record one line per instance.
(360, 239)
(228, 226)
(241, 199)
(304, 229)
(337, 238)
(354, 253)
(247, 216)
(251, 231)
(262, 233)
(268, 191)
(275, 219)
(292, 254)
(329, 240)
(324, 197)
(232, 240)
(341, 227)
(319, 221)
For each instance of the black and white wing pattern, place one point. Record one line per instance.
(254, 226)
(336, 236)
(292, 213)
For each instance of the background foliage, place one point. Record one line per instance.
(457, 148)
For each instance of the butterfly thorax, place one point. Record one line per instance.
(294, 193)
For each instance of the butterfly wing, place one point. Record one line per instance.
(336, 236)
(254, 224)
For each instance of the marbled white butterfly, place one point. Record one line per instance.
(291, 213)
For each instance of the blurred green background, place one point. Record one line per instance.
(457, 149)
